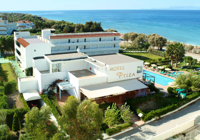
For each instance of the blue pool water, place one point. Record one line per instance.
(161, 80)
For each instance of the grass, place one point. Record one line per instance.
(143, 56)
(7, 73)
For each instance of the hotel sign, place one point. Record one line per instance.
(121, 74)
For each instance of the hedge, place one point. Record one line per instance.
(49, 103)
(21, 98)
(159, 112)
(118, 128)
(10, 113)
(5, 133)
(10, 87)
(3, 98)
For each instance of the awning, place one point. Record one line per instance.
(65, 85)
(31, 94)
(105, 89)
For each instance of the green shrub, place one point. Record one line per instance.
(2, 89)
(10, 87)
(118, 128)
(29, 71)
(3, 98)
(49, 103)
(153, 88)
(10, 113)
(104, 106)
(159, 59)
(169, 66)
(171, 91)
(5, 133)
(21, 98)
(16, 125)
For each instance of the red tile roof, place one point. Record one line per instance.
(84, 35)
(24, 21)
(23, 42)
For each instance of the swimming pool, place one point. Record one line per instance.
(161, 80)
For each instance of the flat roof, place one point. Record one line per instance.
(83, 74)
(33, 40)
(112, 59)
(106, 89)
(65, 56)
(94, 62)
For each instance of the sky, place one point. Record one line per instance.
(38, 5)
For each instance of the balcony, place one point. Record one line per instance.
(106, 48)
(64, 43)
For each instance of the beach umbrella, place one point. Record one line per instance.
(146, 63)
(167, 69)
(153, 65)
(161, 67)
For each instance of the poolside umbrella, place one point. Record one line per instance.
(153, 65)
(161, 67)
(146, 63)
(167, 69)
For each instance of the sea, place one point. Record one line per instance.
(175, 25)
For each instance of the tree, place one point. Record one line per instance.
(83, 120)
(16, 125)
(112, 115)
(179, 51)
(188, 81)
(125, 37)
(194, 61)
(139, 40)
(3, 115)
(125, 113)
(38, 124)
(132, 36)
(171, 53)
(157, 40)
(189, 60)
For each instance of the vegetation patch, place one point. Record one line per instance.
(148, 106)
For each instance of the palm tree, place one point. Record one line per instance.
(180, 51)
(175, 52)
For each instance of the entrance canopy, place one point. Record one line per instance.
(106, 89)
(31, 94)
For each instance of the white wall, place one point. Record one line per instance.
(123, 71)
(37, 75)
(27, 85)
(94, 69)
(73, 65)
(92, 81)
(41, 64)
(41, 49)
(75, 82)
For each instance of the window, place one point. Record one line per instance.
(18, 44)
(139, 69)
(114, 45)
(76, 47)
(114, 38)
(69, 41)
(34, 50)
(85, 40)
(69, 47)
(99, 39)
(77, 40)
(84, 47)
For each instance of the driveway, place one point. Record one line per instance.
(160, 126)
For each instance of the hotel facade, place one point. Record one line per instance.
(24, 24)
(86, 65)
(7, 28)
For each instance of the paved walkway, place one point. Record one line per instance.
(17, 68)
(162, 125)
(195, 56)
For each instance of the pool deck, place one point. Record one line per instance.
(162, 88)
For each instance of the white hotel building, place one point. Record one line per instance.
(25, 24)
(7, 28)
(88, 65)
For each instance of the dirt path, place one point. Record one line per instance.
(12, 99)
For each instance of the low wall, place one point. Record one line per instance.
(27, 84)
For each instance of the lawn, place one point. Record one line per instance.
(143, 56)
(7, 73)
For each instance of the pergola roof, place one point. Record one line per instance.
(65, 85)
(31, 94)
(106, 89)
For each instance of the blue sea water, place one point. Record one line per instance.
(176, 25)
